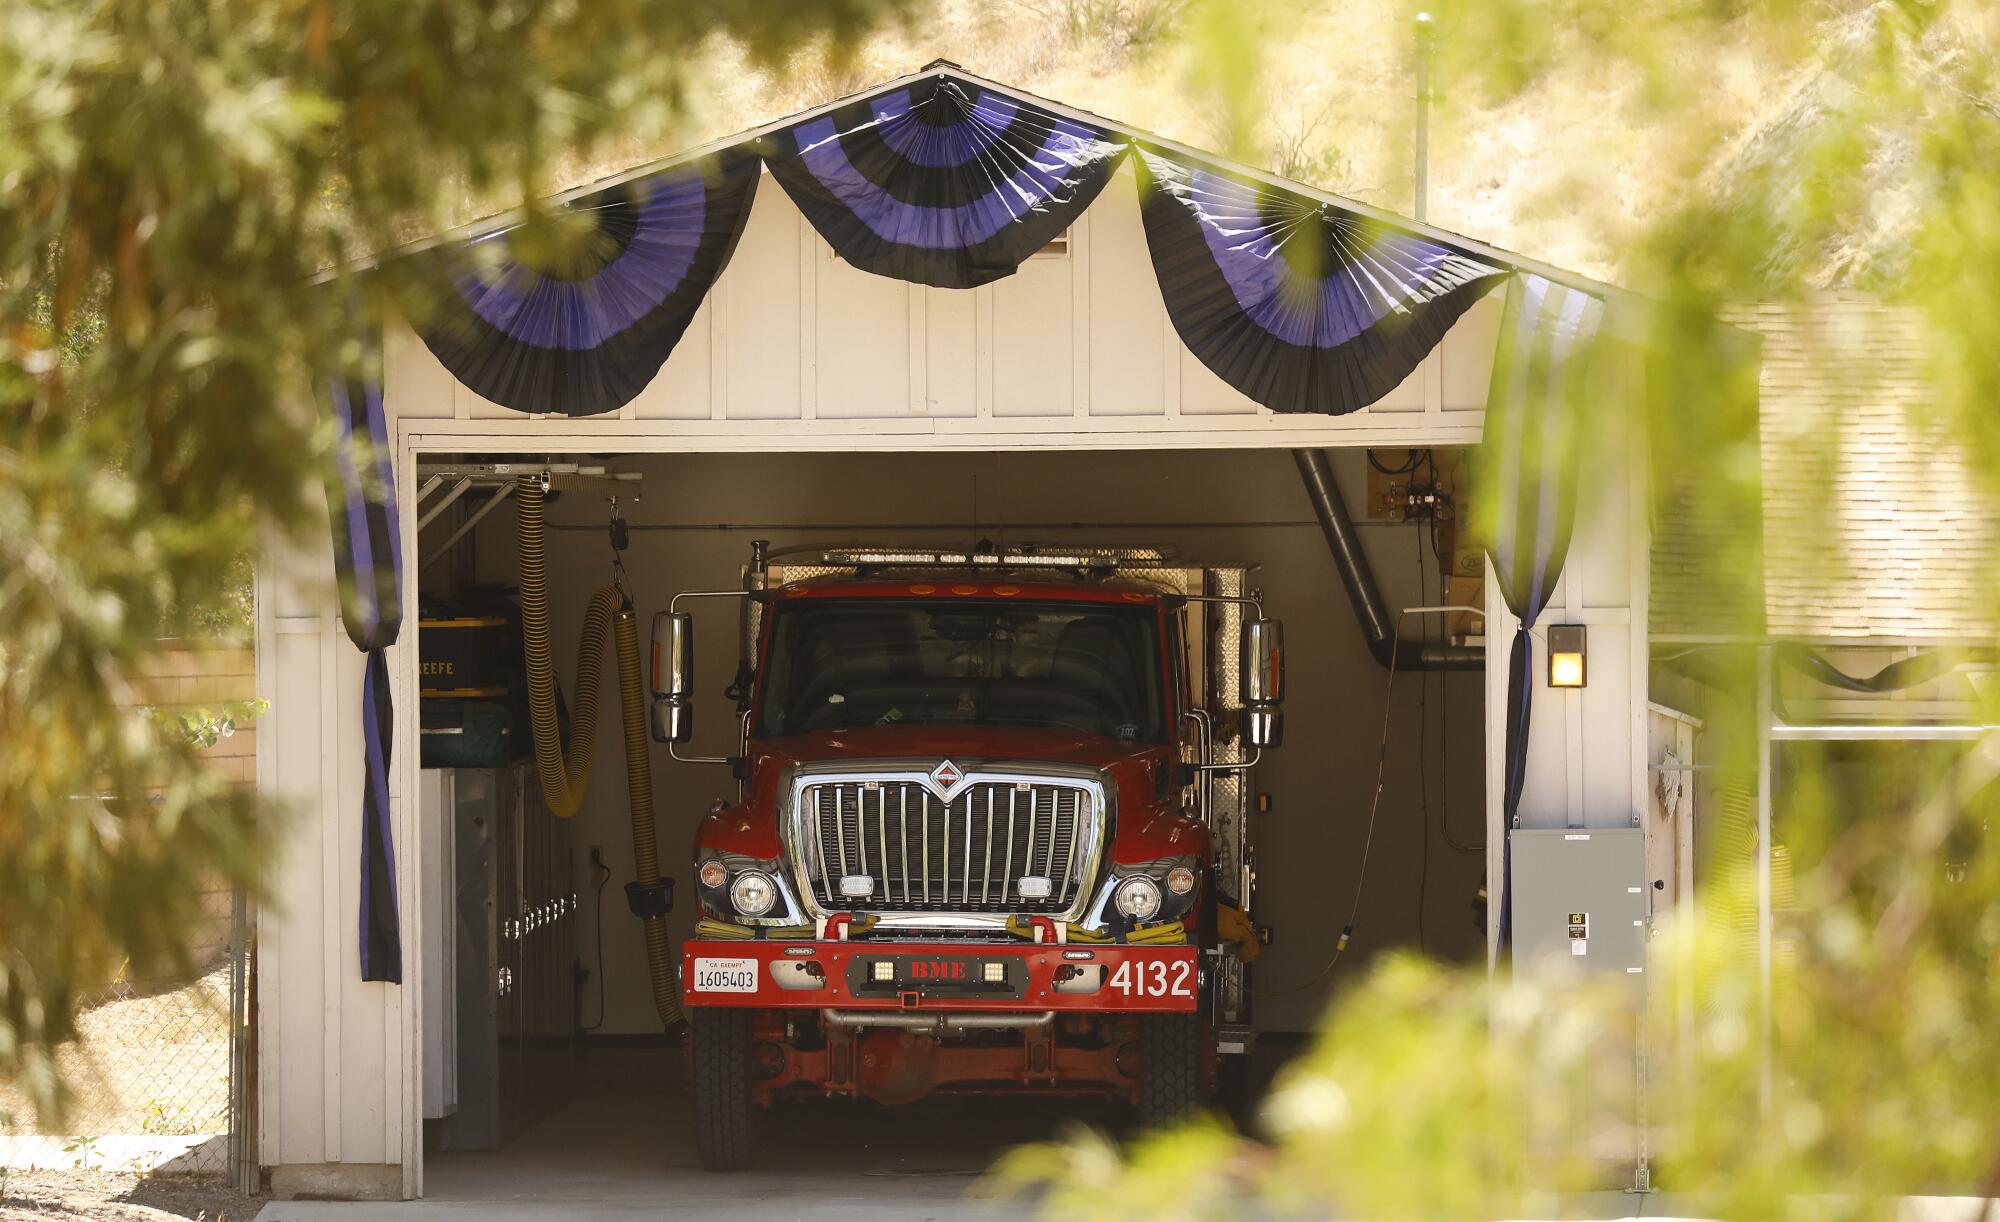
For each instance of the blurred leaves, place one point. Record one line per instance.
(1873, 164)
(206, 727)
(1431, 1093)
(175, 176)
(1423, 1095)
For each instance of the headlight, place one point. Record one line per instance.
(753, 893)
(713, 874)
(1137, 898)
(1180, 880)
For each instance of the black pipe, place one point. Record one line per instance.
(1369, 612)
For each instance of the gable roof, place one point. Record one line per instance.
(944, 68)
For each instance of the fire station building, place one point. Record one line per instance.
(948, 316)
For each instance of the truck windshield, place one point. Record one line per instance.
(841, 664)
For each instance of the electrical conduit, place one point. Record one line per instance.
(1343, 542)
(565, 778)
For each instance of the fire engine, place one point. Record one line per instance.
(991, 829)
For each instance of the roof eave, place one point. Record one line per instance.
(1549, 271)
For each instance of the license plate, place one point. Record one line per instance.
(725, 975)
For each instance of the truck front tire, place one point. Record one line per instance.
(722, 1117)
(1173, 1068)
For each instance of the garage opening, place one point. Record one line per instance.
(541, 1037)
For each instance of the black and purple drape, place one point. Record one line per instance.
(1298, 304)
(1529, 471)
(368, 565)
(588, 336)
(941, 182)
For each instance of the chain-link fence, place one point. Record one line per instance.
(157, 1059)
(166, 1063)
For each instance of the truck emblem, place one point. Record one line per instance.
(946, 775)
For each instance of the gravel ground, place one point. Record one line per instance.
(121, 1198)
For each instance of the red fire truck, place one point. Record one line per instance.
(991, 829)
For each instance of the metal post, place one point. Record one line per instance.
(1642, 1156)
(1642, 1068)
(1765, 679)
(243, 1170)
(1426, 55)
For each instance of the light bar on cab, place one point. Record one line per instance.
(1073, 558)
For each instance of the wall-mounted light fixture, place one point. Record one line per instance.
(1566, 655)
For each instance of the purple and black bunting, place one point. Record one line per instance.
(368, 565)
(587, 336)
(1300, 305)
(941, 182)
(1528, 466)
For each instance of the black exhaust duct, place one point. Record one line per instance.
(1376, 625)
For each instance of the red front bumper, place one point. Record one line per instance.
(940, 976)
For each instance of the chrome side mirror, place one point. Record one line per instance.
(673, 677)
(1261, 676)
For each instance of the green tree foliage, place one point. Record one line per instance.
(1873, 1068)
(174, 175)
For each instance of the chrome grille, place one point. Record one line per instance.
(921, 854)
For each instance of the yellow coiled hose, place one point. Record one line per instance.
(566, 778)
(639, 782)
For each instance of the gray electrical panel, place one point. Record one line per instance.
(1579, 901)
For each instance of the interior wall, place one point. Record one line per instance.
(692, 527)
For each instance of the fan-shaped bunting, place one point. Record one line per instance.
(1302, 306)
(941, 182)
(588, 337)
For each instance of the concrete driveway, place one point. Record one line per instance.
(624, 1148)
